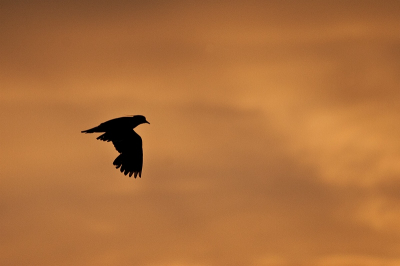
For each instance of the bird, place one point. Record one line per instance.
(126, 141)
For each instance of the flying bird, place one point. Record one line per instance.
(126, 141)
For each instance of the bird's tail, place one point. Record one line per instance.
(92, 130)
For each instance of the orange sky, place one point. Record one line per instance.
(274, 135)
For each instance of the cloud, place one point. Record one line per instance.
(273, 136)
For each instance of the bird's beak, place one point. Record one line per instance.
(147, 122)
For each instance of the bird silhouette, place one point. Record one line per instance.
(126, 141)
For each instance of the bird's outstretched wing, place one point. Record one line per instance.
(129, 145)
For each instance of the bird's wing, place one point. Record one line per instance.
(109, 136)
(129, 164)
(126, 142)
(130, 161)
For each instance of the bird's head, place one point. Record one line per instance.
(139, 119)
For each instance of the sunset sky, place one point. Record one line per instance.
(274, 136)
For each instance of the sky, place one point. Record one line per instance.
(274, 135)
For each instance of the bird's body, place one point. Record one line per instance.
(126, 141)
